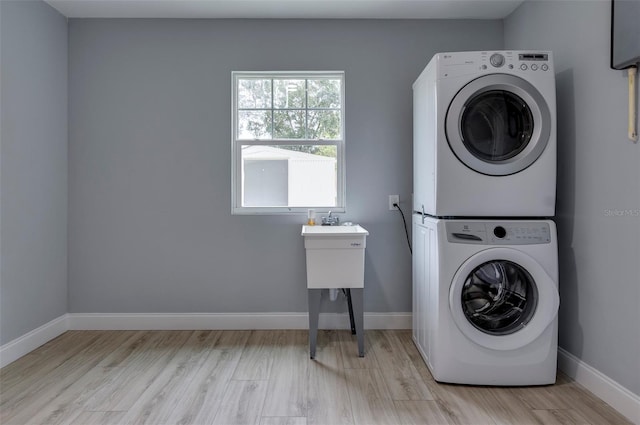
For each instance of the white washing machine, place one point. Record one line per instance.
(484, 140)
(485, 300)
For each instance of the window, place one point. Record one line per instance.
(287, 142)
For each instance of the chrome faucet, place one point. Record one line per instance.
(330, 221)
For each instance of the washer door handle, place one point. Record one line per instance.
(467, 237)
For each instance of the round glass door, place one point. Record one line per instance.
(498, 124)
(502, 298)
(499, 297)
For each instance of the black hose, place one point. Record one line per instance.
(406, 232)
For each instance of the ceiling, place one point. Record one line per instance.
(304, 9)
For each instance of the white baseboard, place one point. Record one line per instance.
(28, 342)
(182, 321)
(612, 393)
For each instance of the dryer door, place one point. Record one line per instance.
(503, 299)
(498, 124)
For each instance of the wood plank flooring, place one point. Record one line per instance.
(263, 378)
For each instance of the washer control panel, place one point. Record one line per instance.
(498, 233)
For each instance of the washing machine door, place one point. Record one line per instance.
(498, 124)
(503, 299)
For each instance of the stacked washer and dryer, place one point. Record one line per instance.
(485, 256)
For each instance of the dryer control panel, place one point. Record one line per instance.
(523, 61)
(512, 62)
(498, 233)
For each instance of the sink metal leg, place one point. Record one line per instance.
(358, 317)
(314, 296)
(353, 325)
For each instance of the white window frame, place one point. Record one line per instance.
(237, 143)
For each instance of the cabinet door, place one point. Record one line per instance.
(417, 267)
(420, 259)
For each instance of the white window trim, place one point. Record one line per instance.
(236, 145)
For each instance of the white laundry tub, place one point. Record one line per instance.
(335, 256)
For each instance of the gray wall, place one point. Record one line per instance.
(33, 167)
(598, 209)
(150, 228)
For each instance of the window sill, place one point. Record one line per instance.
(284, 210)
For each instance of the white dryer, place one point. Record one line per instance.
(485, 300)
(484, 140)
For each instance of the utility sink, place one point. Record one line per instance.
(335, 256)
(335, 259)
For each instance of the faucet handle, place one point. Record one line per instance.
(330, 220)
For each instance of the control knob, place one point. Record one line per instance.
(500, 232)
(497, 60)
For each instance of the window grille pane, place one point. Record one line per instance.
(254, 124)
(324, 125)
(254, 93)
(288, 94)
(289, 124)
(324, 93)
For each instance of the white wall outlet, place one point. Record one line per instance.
(393, 199)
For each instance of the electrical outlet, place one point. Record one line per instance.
(393, 199)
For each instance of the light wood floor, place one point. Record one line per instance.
(263, 377)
